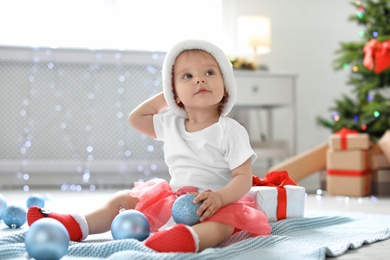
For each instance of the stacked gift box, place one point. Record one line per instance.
(347, 164)
(380, 165)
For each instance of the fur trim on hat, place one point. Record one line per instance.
(224, 65)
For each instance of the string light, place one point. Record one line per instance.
(356, 118)
(364, 127)
(355, 68)
(375, 34)
(376, 113)
(336, 116)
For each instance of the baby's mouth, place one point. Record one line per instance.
(202, 91)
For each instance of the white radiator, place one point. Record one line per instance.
(63, 115)
(70, 174)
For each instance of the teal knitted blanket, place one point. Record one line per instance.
(316, 236)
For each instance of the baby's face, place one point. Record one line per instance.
(198, 81)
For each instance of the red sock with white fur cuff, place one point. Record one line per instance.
(75, 224)
(179, 238)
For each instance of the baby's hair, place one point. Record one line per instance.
(221, 103)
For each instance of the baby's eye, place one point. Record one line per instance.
(209, 73)
(187, 76)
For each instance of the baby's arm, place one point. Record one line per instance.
(239, 185)
(141, 118)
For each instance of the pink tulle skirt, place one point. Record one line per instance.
(156, 198)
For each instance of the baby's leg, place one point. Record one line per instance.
(98, 221)
(182, 238)
(211, 234)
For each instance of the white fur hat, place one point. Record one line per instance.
(224, 65)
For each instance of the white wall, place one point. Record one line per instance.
(305, 35)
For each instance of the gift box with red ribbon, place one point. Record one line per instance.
(348, 173)
(278, 196)
(377, 55)
(347, 139)
(348, 164)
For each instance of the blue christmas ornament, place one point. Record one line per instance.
(184, 210)
(47, 239)
(36, 200)
(130, 224)
(3, 205)
(14, 216)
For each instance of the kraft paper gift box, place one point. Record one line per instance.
(346, 139)
(378, 159)
(304, 164)
(353, 160)
(381, 182)
(267, 199)
(384, 144)
(348, 173)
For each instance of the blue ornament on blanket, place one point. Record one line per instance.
(130, 224)
(47, 239)
(36, 200)
(14, 216)
(3, 205)
(184, 210)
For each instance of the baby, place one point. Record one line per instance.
(208, 154)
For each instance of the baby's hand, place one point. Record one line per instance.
(211, 202)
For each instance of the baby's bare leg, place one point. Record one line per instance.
(99, 221)
(211, 234)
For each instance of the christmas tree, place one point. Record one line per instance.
(369, 64)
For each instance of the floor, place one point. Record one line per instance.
(84, 201)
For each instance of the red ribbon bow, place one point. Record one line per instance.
(277, 180)
(343, 133)
(378, 54)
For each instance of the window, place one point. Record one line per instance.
(109, 24)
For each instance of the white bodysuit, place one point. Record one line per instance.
(205, 158)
